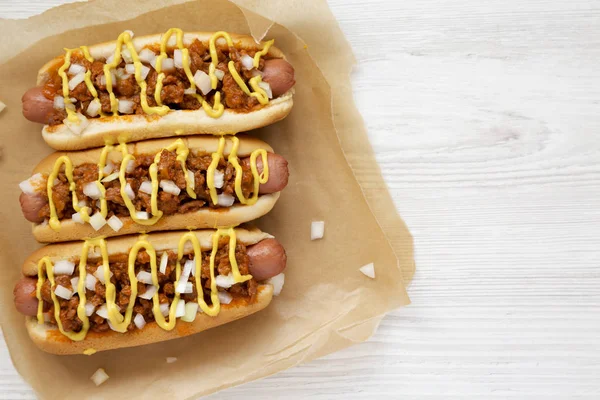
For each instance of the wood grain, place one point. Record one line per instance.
(485, 118)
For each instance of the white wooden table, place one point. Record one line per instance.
(485, 117)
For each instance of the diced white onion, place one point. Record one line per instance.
(247, 62)
(146, 187)
(98, 204)
(126, 54)
(79, 126)
(225, 200)
(74, 283)
(82, 203)
(191, 180)
(147, 56)
(177, 58)
(267, 88)
(188, 267)
(167, 65)
(90, 282)
(63, 292)
(99, 273)
(164, 259)
(189, 91)
(191, 309)
(169, 187)
(75, 69)
(125, 106)
(224, 297)
(277, 281)
(180, 310)
(111, 177)
(130, 166)
(171, 360)
(181, 285)
(59, 102)
(189, 288)
(108, 168)
(76, 217)
(130, 68)
(27, 187)
(368, 270)
(99, 377)
(256, 72)
(129, 191)
(102, 311)
(142, 215)
(145, 71)
(203, 82)
(149, 293)
(139, 321)
(93, 108)
(89, 309)
(219, 179)
(56, 182)
(64, 267)
(110, 58)
(144, 277)
(225, 281)
(97, 221)
(76, 80)
(317, 230)
(219, 74)
(115, 223)
(164, 309)
(92, 190)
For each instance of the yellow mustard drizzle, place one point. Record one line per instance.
(261, 53)
(120, 322)
(260, 94)
(210, 171)
(182, 153)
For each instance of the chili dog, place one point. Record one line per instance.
(197, 82)
(163, 184)
(105, 294)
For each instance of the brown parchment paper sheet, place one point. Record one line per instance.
(326, 303)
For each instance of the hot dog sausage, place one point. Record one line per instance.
(267, 259)
(279, 74)
(36, 107)
(31, 204)
(24, 294)
(278, 173)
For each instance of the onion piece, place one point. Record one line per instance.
(167, 65)
(368, 270)
(111, 177)
(129, 191)
(93, 108)
(224, 297)
(164, 309)
(115, 223)
(256, 72)
(219, 74)
(64, 267)
(164, 259)
(29, 186)
(317, 230)
(102, 311)
(247, 62)
(277, 281)
(99, 273)
(267, 88)
(126, 54)
(171, 360)
(130, 167)
(225, 200)
(180, 310)
(76, 217)
(177, 58)
(75, 283)
(219, 178)
(63, 292)
(92, 190)
(188, 267)
(189, 91)
(189, 288)
(139, 321)
(144, 277)
(130, 68)
(202, 80)
(169, 187)
(142, 215)
(225, 281)
(79, 126)
(82, 203)
(126, 106)
(97, 221)
(99, 377)
(191, 310)
(108, 168)
(59, 102)
(76, 80)
(89, 309)
(191, 180)
(146, 187)
(110, 58)
(146, 55)
(149, 293)
(90, 282)
(75, 69)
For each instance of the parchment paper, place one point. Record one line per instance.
(326, 303)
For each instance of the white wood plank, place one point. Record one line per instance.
(484, 117)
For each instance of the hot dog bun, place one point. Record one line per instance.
(49, 339)
(185, 122)
(200, 219)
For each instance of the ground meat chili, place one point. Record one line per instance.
(175, 82)
(168, 169)
(118, 266)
